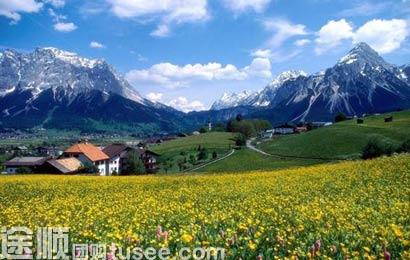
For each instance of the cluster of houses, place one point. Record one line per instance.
(287, 129)
(108, 160)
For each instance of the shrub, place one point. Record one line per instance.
(89, 168)
(135, 165)
(203, 154)
(214, 155)
(340, 117)
(377, 147)
(405, 147)
(240, 140)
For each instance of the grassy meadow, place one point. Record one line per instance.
(350, 210)
(344, 140)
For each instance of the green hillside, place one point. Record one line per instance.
(341, 140)
(249, 160)
(181, 149)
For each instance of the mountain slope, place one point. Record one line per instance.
(56, 89)
(361, 82)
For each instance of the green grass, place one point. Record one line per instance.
(248, 160)
(342, 140)
(212, 141)
(177, 149)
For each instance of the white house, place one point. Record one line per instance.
(284, 129)
(118, 154)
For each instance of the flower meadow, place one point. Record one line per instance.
(350, 210)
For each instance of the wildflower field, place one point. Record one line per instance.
(346, 210)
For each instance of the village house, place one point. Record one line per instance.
(118, 154)
(32, 163)
(149, 158)
(268, 134)
(62, 166)
(89, 154)
(284, 129)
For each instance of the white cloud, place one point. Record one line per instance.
(174, 76)
(365, 9)
(154, 97)
(239, 6)
(262, 53)
(332, 34)
(182, 104)
(166, 11)
(302, 42)
(161, 31)
(96, 45)
(282, 30)
(383, 35)
(56, 3)
(65, 27)
(12, 8)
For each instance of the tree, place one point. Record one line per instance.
(135, 166)
(203, 154)
(239, 117)
(167, 164)
(203, 130)
(214, 155)
(240, 140)
(377, 147)
(192, 159)
(340, 117)
(89, 168)
(181, 164)
(405, 147)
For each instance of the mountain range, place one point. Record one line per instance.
(51, 88)
(361, 82)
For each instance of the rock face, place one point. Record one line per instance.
(361, 82)
(58, 89)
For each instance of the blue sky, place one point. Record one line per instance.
(187, 53)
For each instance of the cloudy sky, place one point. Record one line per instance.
(187, 53)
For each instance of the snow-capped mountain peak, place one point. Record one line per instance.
(287, 75)
(232, 99)
(51, 68)
(69, 57)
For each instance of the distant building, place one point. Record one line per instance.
(268, 134)
(89, 154)
(118, 154)
(62, 166)
(33, 163)
(300, 129)
(209, 126)
(149, 158)
(284, 129)
(196, 133)
(51, 151)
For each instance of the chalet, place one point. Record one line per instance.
(118, 154)
(301, 129)
(268, 134)
(284, 129)
(33, 163)
(62, 166)
(89, 154)
(149, 158)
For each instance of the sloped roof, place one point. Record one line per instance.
(115, 149)
(89, 150)
(26, 161)
(67, 165)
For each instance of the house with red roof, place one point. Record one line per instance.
(89, 154)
